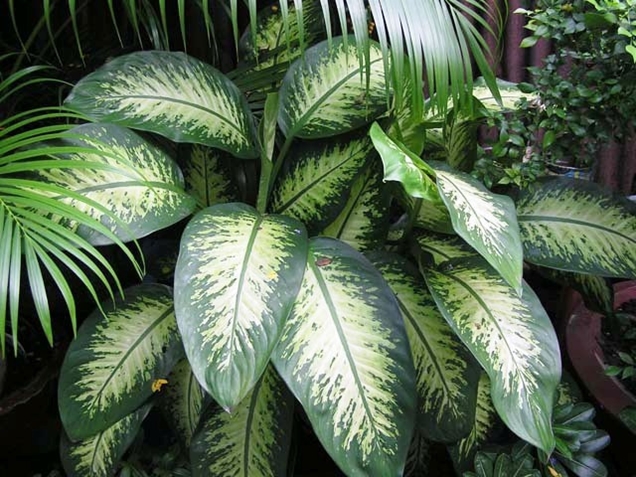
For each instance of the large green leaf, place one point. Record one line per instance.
(181, 401)
(486, 221)
(135, 181)
(401, 165)
(579, 227)
(511, 336)
(207, 175)
(110, 368)
(237, 276)
(464, 450)
(99, 455)
(447, 374)
(171, 94)
(326, 91)
(344, 354)
(364, 222)
(315, 187)
(253, 441)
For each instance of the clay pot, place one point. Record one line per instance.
(582, 340)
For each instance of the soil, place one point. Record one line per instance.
(618, 334)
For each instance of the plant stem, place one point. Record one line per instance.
(269, 172)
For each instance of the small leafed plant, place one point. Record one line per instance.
(294, 299)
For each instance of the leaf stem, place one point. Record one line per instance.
(269, 172)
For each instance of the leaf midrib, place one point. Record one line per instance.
(320, 179)
(333, 313)
(248, 425)
(425, 343)
(303, 120)
(479, 217)
(165, 99)
(536, 219)
(128, 352)
(239, 290)
(482, 303)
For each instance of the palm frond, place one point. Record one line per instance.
(38, 219)
(432, 43)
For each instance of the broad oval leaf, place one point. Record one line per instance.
(512, 338)
(181, 401)
(110, 368)
(314, 188)
(577, 226)
(364, 221)
(237, 276)
(487, 221)
(99, 455)
(325, 92)
(485, 419)
(253, 441)
(207, 175)
(401, 165)
(171, 94)
(344, 354)
(137, 182)
(447, 374)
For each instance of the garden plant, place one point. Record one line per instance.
(380, 291)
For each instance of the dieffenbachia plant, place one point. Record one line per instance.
(299, 298)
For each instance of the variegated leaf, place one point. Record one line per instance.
(447, 374)
(253, 441)
(461, 142)
(510, 94)
(111, 367)
(463, 452)
(364, 222)
(579, 227)
(181, 401)
(277, 42)
(326, 92)
(237, 276)
(344, 354)
(408, 127)
(596, 291)
(511, 336)
(138, 183)
(401, 165)
(419, 457)
(428, 215)
(434, 249)
(99, 455)
(207, 174)
(315, 188)
(171, 94)
(486, 221)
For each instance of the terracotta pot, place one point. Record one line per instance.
(582, 341)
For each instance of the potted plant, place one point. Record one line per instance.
(291, 299)
(593, 335)
(358, 340)
(585, 87)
